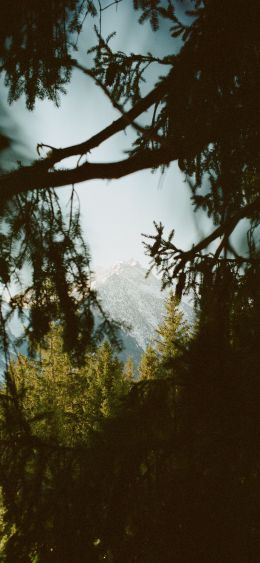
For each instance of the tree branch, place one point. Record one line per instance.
(37, 177)
(90, 73)
(115, 127)
(39, 174)
(225, 229)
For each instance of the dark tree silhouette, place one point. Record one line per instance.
(210, 88)
(175, 476)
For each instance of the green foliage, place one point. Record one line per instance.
(129, 369)
(52, 416)
(149, 365)
(208, 86)
(174, 334)
(63, 403)
(108, 383)
(162, 471)
(168, 470)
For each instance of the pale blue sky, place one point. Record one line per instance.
(113, 213)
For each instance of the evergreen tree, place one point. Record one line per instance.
(173, 332)
(34, 47)
(129, 369)
(107, 382)
(65, 403)
(150, 364)
(174, 335)
(222, 157)
(143, 486)
(52, 418)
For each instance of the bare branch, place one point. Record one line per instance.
(39, 174)
(111, 4)
(115, 127)
(38, 177)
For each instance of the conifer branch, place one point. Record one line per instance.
(225, 230)
(164, 251)
(37, 177)
(40, 174)
(105, 90)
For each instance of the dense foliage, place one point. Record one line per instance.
(205, 115)
(166, 469)
(162, 357)
(51, 421)
(96, 466)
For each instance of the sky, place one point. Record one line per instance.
(114, 213)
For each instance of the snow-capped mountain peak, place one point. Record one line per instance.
(132, 298)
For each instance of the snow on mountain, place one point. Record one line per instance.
(129, 297)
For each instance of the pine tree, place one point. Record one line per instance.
(63, 402)
(173, 336)
(204, 114)
(129, 369)
(53, 416)
(107, 383)
(173, 332)
(184, 495)
(149, 367)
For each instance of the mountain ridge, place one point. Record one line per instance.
(133, 298)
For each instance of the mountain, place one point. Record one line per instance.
(131, 298)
